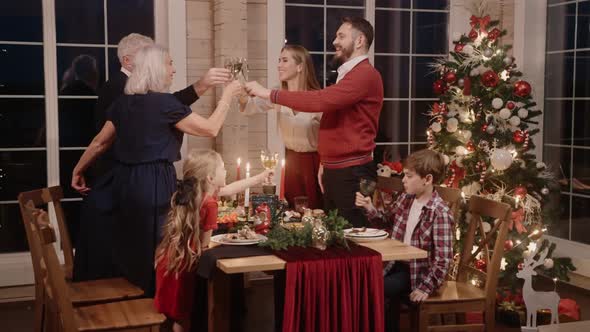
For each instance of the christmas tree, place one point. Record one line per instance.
(483, 124)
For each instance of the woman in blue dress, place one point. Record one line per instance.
(146, 126)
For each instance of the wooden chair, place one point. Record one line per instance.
(81, 293)
(462, 296)
(121, 315)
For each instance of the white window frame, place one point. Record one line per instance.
(170, 30)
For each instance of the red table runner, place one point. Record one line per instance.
(333, 290)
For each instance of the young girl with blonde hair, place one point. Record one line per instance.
(191, 220)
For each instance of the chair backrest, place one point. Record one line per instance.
(52, 195)
(28, 212)
(55, 282)
(482, 207)
(390, 184)
(451, 196)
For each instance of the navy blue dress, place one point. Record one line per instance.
(137, 196)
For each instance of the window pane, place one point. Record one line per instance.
(582, 123)
(72, 216)
(67, 161)
(430, 33)
(114, 64)
(390, 152)
(80, 21)
(312, 2)
(393, 3)
(21, 20)
(550, 2)
(584, 24)
(582, 70)
(559, 160)
(80, 70)
(581, 178)
(561, 25)
(21, 171)
(580, 219)
(561, 227)
(12, 231)
(391, 31)
(346, 2)
(22, 70)
(309, 34)
(419, 120)
(393, 122)
(318, 64)
(395, 74)
(559, 70)
(76, 122)
(423, 77)
(431, 4)
(331, 70)
(120, 23)
(22, 122)
(558, 113)
(334, 20)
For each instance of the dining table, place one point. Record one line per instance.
(218, 285)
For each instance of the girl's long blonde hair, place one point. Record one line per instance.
(181, 245)
(308, 79)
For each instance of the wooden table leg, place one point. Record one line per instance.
(219, 305)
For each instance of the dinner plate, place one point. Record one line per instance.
(367, 239)
(220, 238)
(368, 233)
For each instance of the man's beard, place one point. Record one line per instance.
(346, 53)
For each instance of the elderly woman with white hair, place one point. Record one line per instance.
(145, 127)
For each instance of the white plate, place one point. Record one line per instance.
(367, 239)
(368, 233)
(220, 238)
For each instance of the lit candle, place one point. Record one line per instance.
(247, 195)
(238, 169)
(282, 192)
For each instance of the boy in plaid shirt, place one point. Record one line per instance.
(421, 219)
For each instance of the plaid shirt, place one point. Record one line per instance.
(433, 233)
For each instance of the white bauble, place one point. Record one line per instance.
(540, 165)
(474, 72)
(464, 117)
(501, 159)
(491, 129)
(461, 82)
(468, 49)
(486, 227)
(508, 60)
(505, 113)
(452, 122)
(548, 264)
(461, 150)
(497, 103)
(488, 52)
(514, 121)
(446, 159)
(451, 128)
(471, 189)
(523, 113)
(467, 134)
(436, 127)
(456, 36)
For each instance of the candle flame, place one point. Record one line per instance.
(247, 167)
(283, 162)
(239, 161)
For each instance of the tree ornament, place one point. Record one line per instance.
(461, 150)
(488, 52)
(508, 245)
(459, 48)
(497, 103)
(480, 264)
(435, 127)
(523, 113)
(439, 87)
(466, 134)
(490, 78)
(494, 34)
(430, 138)
(501, 159)
(461, 82)
(453, 122)
(446, 159)
(514, 121)
(473, 34)
(507, 61)
(505, 113)
(470, 146)
(510, 105)
(525, 144)
(466, 86)
(474, 72)
(548, 264)
(522, 88)
(520, 266)
(520, 192)
(540, 165)
(450, 77)
(491, 129)
(468, 49)
(545, 191)
(518, 136)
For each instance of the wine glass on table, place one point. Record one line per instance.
(269, 162)
(367, 186)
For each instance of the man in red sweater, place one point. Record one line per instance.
(350, 119)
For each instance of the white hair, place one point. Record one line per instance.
(130, 44)
(150, 72)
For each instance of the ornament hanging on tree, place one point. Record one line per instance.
(522, 88)
(514, 121)
(520, 192)
(488, 52)
(450, 77)
(497, 103)
(501, 159)
(523, 113)
(490, 78)
(481, 265)
(508, 245)
(518, 136)
(507, 61)
(505, 113)
(459, 48)
(435, 127)
(525, 145)
(473, 34)
(494, 34)
(439, 87)
(510, 105)
(491, 129)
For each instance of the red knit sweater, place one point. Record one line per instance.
(350, 117)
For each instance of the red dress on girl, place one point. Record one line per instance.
(175, 291)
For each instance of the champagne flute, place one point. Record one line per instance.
(269, 161)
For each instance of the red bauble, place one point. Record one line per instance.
(439, 87)
(484, 128)
(470, 146)
(510, 105)
(459, 48)
(522, 88)
(520, 191)
(520, 265)
(518, 136)
(450, 77)
(494, 34)
(480, 264)
(473, 34)
(508, 245)
(490, 79)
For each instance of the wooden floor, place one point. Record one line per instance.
(18, 316)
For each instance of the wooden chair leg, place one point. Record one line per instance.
(39, 309)
(490, 317)
(423, 318)
(414, 316)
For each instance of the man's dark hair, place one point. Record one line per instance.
(361, 25)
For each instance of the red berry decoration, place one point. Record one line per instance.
(510, 105)
(473, 34)
(439, 87)
(520, 191)
(508, 245)
(522, 88)
(450, 77)
(459, 48)
(494, 34)
(518, 136)
(470, 146)
(490, 79)
(484, 128)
